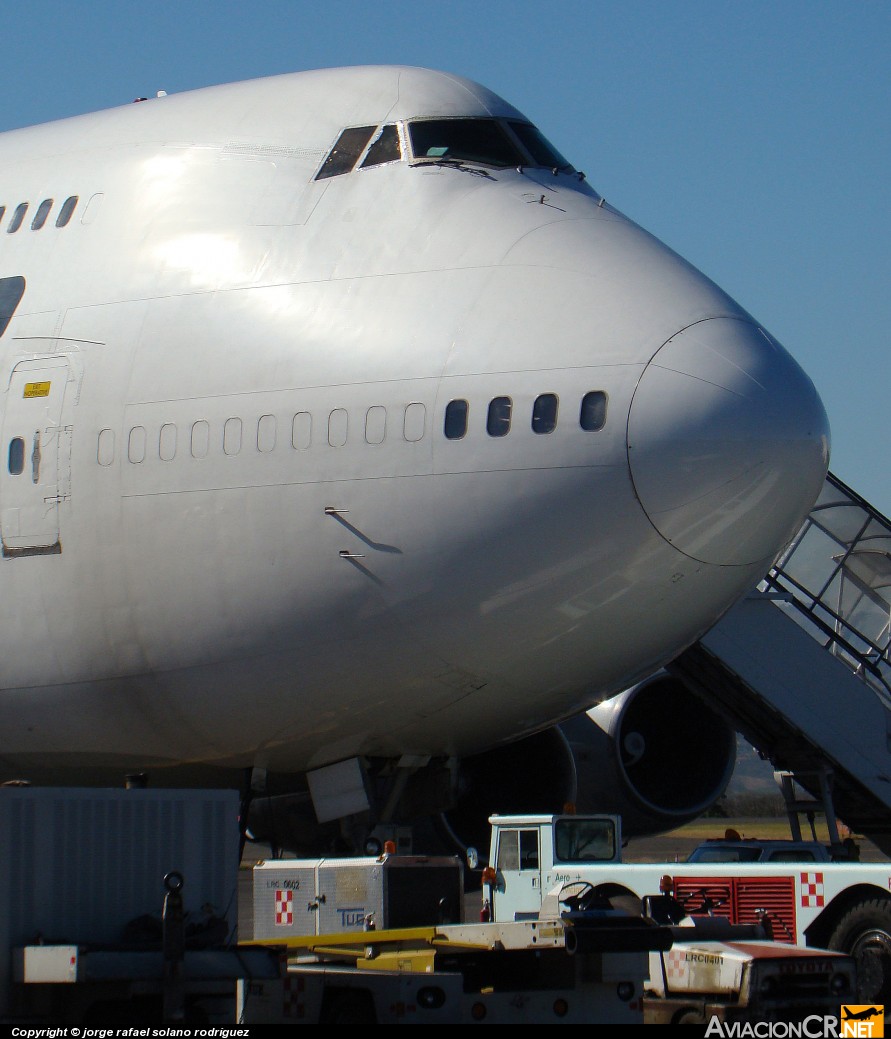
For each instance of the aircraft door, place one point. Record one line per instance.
(34, 447)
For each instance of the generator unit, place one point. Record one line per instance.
(301, 897)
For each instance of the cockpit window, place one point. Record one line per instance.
(346, 151)
(489, 142)
(385, 149)
(11, 292)
(464, 140)
(541, 150)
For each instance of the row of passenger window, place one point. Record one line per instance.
(592, 417)
(264, 438)
(41, 214)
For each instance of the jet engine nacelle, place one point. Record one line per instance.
(657, 755)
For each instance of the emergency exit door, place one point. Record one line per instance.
(34, 447)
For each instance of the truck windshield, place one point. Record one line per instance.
(584, 840)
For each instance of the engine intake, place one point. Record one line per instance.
(657, 755)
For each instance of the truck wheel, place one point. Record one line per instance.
(864, 932)
(689, 1017)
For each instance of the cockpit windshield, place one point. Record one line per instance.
(541, 150)
(492, 142)
(488, 142)
(464, 140)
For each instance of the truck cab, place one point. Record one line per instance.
(531, 854)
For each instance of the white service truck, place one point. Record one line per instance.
(377, 940)
(85, 940)
(842, 906)
(571, 964)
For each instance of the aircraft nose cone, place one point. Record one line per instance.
(728, 442)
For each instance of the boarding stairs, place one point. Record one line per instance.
(802, 666)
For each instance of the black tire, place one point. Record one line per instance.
(689, 1017)
(864, 932)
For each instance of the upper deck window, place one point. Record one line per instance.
(66, 211)
(17, 217)
(42, 213)
(349, 146)
(542, 151)
(464, 140)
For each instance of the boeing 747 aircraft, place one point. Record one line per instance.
(348, 433)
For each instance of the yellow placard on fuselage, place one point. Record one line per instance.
(37, 389)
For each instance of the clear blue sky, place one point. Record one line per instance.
(752, 137)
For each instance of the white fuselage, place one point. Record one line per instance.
(244, 537)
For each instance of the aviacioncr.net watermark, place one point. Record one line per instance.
(858, 1022)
